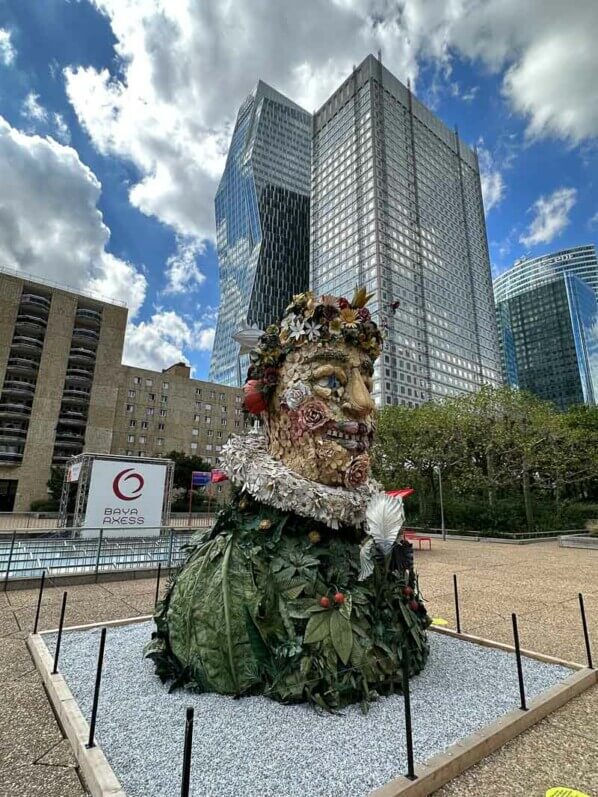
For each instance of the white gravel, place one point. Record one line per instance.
(259, 748)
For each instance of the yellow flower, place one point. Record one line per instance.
(335, 326)
(349, 317)
(314, 537)
(265, 524)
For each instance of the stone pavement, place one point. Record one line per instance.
(540, 582)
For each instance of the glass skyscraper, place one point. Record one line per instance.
(396, 206)
(550, 315)
(262, 222)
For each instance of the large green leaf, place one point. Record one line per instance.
(342, 635)
(318, 628)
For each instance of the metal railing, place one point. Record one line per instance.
(62, 552)
(48, 521)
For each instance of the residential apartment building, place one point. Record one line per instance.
(262, 222)
(64, 390)
(396, 205)
(550, 315)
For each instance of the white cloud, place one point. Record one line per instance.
(181, 267)
(50, 225)
(551, 216)
(61, 129)
(32, 109)
(593, 221)
(7, 51)
(493, 185)
(160, 341)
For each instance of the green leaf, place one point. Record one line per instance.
(342, 635)
(318, 628)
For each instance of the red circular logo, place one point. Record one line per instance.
(119, 484)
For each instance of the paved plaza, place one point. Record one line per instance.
(540, 582)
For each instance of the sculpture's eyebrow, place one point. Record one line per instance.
(327, 355)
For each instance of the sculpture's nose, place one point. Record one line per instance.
(358, 400)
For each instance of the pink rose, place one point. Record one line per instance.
(313, 414)
(358, 471)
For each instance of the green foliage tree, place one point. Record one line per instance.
(184, 466)
(495, 446)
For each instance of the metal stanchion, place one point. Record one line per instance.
(457, 603)
(586, 634)
(158, 585)
(59, 639)
(96, 692)
(39, 601)
(12, 547)
(99, 552)
(170, 547)
(186, 779)
(519, 667)
(407, 701)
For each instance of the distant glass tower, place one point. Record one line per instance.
(262, 222)
(396, 206)
(553, 324)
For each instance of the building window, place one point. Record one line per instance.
(142, 439)
(237, 424)
(223, 408)
(209, 460)
(160, 441)
(208, 420)
(160, 427)
(223, 421)
(144, 424)
(149, 411)
(130, 438)
(129, 408)
(195, 432)
(164, 399)
(132, 393)
(165, 385)
(210, 433)
(149, 382)
(212, 394)
(141, 453)
(238, 399)
(163, 413)
(136, 380)
(196, 418)
(151, 396)
(193, 446)
(222, 397)
(129, 453)
(198, 391)
(209, 447)
(207, 406)
(218, 434)
(132, 423)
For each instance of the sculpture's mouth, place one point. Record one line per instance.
(352, 435)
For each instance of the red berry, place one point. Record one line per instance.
(413, 605)
(339, 597)
(408, 591)
(324, 602)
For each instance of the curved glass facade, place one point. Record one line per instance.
(525, 274)
(262, 222)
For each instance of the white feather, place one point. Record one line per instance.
(365, 559)
(385, 516)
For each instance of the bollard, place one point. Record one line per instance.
(519, 667)
(39, 601)
(456, 591)
(407, 701)
(12, 547)
(99, 553)
(186, 779)
(158, 585)
(586, 634)
(57, 651)
(96, 691)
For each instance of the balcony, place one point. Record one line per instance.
(89, 317)
(26, 343)
(66, 440)
(9, 409)
(10, 455)
(75, 394)
(19, 387)
(73, 417)
(26, 365)
(61, 456)
(89, 336)
(27, 321)
(15, 436)
(34, 300)
(81, 354)
(79, 375)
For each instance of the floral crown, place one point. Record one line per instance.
(308, 319)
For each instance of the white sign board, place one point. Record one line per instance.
(73, 472)
(125, 499)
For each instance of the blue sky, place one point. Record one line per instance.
(115, 116)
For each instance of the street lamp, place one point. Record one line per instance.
(438, 470)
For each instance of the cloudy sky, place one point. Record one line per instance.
(115, 117)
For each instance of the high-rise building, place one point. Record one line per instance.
(527, 273)
(396, 205)
(64, 390)
(550, 316)
(262, 222)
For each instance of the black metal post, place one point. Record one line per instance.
(170, 543)
(586, 634)
(186, 780)
(57, 651)
(98, 554)
(457, 603)
(12, 547)
(407, 700)
(39, 601)
(96, 691)
(519, 667)
(158, 585)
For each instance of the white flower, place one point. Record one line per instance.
(296, 395)
(296, 328)
(312, 330)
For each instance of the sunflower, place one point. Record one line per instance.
(349, 317)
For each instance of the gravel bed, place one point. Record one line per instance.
(259, 748)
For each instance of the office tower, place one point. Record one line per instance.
(396, 206)
(64, 390)
(551, 315)
(262, 222)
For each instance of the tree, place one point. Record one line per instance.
(183, 468)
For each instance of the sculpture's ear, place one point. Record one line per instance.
(247, 337)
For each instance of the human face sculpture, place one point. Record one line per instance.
(321, 417)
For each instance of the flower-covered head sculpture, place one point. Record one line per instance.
(311, 379)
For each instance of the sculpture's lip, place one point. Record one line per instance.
(352, 435)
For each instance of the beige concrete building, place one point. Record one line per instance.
(64, 390)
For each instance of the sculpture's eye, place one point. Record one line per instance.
(333, 382)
